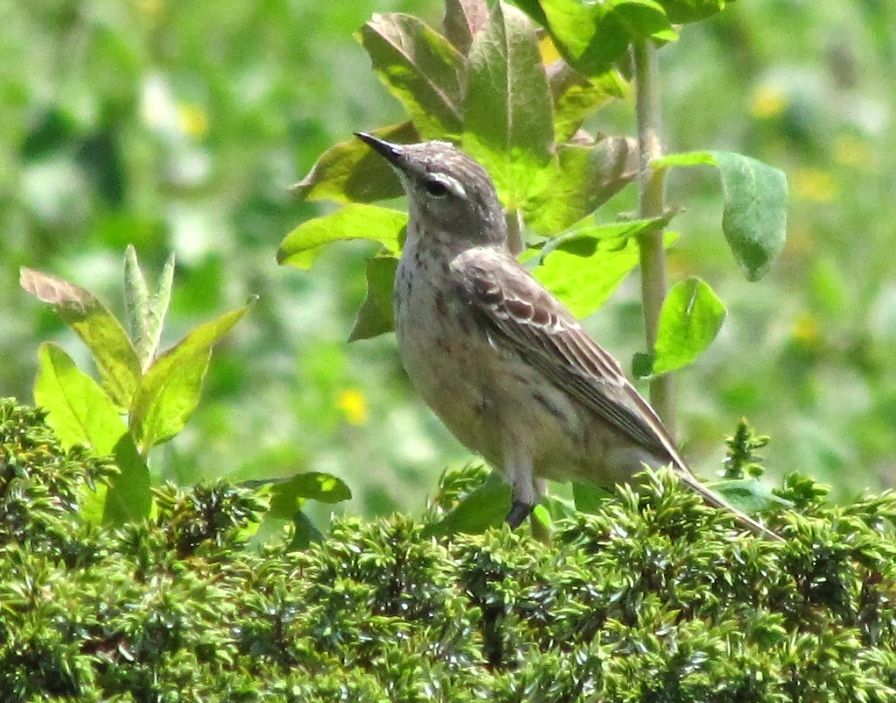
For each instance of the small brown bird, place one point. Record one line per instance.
(502, 362)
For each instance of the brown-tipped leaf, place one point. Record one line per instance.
(463, 18)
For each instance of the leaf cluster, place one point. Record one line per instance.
(655, 597)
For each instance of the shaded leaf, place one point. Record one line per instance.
(584, 266)
(463, 18)
(355, 221)
(754, 216)
(690, 318)
(593, 36)
(351, 172)
(103, 334)
(80, 412)
(585, 178)
(376, 315)
(420, 69)
(305, 533)
(288, 496)
(486, 506)
(170, 389)
(749, 495)
(508, 115)
(588, 498)
(682, 11)
(576, 97)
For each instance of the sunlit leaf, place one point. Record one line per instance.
(420, 68)
(103, 334)
(584, 266)
(288, 496)
(81, 412)
(351, 172)
(463, 18)
(376, 315)
(749, 495)
(355, 221)
(682, 11)
(169, 391)
(145, 312)
(588, 497)
(593, 36)
(576, 97)
(585, 178)
(508, 120)
(754, 218)
(690, 318)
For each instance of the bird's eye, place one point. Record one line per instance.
(435, 188)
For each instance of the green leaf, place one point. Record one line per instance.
(683, 11)
(287, 497)
(109, 344)
(463, 18)
(576, 97)
(508, 115)
(588, 498)
(585, 265)
(351, 172)
(748, 495)
(305, 533)
(170, 389)
(376, 315)
(145, 313)
(356, 221)
(593, 36)
(486, 506)
(420, 68)
(754, 216)
(81, 412)
(585, 178)
(690, 318)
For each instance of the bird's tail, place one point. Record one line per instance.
(715, 500)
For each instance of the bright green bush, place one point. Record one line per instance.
(654, 598)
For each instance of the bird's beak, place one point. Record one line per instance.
(391, 152)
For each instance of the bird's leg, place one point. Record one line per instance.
(525, 493)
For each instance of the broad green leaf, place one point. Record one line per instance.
(690, 318)
(485, 507)
(376, 315)
(576, 97)
(112, 351)
(585, 178)
(748, 494)
(420, 68)
(290, 495)
(593, 36)
(584, 266)
(355, 221)
(169, 391)
(508, 115)
(463, 18)
(683, 11)
(145, 313)
(81, 412)
(754, 216)
(352, 172)
(588, 498)
(305, 533)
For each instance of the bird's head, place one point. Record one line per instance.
(448, 192)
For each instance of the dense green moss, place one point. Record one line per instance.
(656, 598)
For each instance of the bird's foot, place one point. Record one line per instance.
(519, 511)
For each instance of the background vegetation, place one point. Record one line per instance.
(178, 126)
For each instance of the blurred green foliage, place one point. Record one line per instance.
(178, 126)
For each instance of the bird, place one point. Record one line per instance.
(504, 364)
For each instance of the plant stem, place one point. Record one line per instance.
(652, 204)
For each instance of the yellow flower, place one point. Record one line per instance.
(192, 120)
(767, 102)
(353, 405)
(814, 184)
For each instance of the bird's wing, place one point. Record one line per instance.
(519, 313)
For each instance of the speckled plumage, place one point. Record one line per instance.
(505, 365)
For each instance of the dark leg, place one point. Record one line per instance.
(519, 511)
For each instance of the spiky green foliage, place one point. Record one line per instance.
(654, 598)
